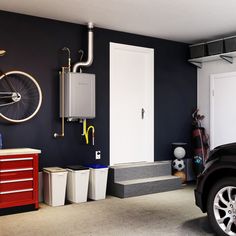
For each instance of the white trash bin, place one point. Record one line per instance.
(40, 189)
(77, 184)
(97, 182)
(54, 181)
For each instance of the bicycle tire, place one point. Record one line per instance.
(30, 96)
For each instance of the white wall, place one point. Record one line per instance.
(203, 87)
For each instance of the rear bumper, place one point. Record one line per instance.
(198, 200)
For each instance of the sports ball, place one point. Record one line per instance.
(179, 152)
(178, 164)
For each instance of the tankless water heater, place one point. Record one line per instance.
(79, 95)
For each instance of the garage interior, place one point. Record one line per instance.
(140, 86)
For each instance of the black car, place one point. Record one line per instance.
(216, 189)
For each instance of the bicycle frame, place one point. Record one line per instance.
(15, 97)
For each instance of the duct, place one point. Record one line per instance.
(90, 50)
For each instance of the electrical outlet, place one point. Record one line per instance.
(98, 155)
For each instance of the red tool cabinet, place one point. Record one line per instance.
(18, 177)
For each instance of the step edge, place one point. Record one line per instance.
(172, 188)
(148, 180)
(158, 163)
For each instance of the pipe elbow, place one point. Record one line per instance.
(90, 51)
(82, 64)
(75, 67)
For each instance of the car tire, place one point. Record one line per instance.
(221, 207)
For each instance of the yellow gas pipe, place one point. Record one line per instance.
(86, 132)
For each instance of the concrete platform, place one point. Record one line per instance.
(141, 178)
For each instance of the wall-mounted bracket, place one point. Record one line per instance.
(197, 64)
(227, 58)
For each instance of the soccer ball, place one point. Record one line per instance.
(179, 152)
(178, 164)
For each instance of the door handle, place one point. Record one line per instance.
(142, 113)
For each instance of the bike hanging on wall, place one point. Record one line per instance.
(20, 96)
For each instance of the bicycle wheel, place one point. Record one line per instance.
(20, 96)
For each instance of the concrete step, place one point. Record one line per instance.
(139, 170)
(138, 187)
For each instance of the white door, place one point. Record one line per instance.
(131, 104)
(223, 109)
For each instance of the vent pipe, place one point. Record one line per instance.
(90, 50)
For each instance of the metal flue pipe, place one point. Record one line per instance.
(90, 50)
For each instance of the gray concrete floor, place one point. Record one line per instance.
(170, 213)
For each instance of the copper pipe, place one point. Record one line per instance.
(62, 134)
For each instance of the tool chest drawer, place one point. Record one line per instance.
(18, 177)
(19, 174)
(16, 197)
(12, 185)
(16, 163)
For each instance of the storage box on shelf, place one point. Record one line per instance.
(220, 49)
(215, 47)
(197, 50)
(227, 57)
(230, 44)
(18, 177)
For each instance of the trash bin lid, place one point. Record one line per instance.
(96, 166)
(77, 167)
(54, 169)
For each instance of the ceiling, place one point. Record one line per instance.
(179, 20)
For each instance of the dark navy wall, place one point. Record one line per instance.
(33, 45)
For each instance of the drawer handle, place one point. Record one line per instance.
(15, 170)
(17, 191)
(15, 180)
(17, 159)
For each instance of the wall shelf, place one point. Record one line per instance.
(228, 57)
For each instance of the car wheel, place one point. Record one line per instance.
(221, 207)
